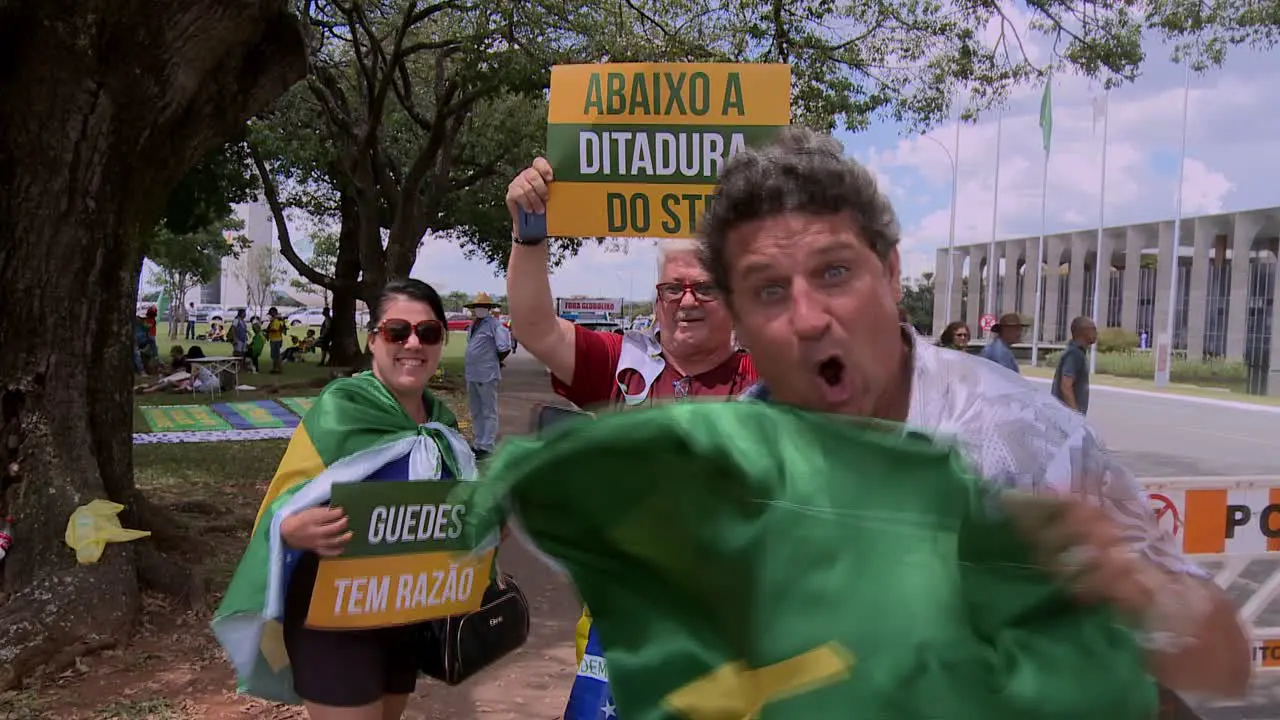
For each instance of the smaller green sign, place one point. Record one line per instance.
(398, 518)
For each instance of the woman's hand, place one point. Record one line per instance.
(321, 530)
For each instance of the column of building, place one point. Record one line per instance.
(1012, 250)
(1204, 230)
(1166, 256)
(1102, 276)
(941, 268)
(977, 280)
(1244, 230)
(1080, 245)
(1053, 247)
(1031, 275)
(1136, 239)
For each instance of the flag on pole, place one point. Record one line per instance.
(1046, 113)
(1099, 109)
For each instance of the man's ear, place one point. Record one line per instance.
(893, 270)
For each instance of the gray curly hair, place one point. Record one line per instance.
(799, 172)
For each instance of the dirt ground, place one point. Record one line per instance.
(173, 669)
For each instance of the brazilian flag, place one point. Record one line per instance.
(745, 560)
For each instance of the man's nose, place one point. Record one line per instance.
(687, 298)
(809, 313)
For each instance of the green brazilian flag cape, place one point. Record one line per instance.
(744, 560)
(354, 428)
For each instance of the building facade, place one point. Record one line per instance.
(231, 287)
(1224, 299)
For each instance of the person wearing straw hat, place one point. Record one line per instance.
(1003, 335)
(488, 344)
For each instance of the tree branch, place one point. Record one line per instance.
(272, 195)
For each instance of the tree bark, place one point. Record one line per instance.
(345, 350)
(106, 106)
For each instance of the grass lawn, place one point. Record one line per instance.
(299, 379)
(173, 669)
(1172, 388)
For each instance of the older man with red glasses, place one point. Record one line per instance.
(691, 354)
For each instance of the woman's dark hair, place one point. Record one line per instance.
(195, 353)
(409, 289)
(948, 337)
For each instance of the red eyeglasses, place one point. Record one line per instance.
(429, 332)
(674, 292)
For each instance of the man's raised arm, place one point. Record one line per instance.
(533, 315)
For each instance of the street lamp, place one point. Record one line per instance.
(951, 233)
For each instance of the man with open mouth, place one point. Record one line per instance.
(804, 250)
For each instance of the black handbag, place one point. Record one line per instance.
(455, 648)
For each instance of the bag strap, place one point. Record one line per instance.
(499, 581)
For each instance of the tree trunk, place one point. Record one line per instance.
(345, 350)
(107, 105)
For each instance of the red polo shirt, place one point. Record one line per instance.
(596, 355)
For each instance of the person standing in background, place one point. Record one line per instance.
(324, 341)
(1071, 378)
(239, 336)
(955, 336)
(189, 313)
(1003, 335)
(488, 344)
(275, 338)
(691, 351)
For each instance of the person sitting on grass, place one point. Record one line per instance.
(178, 359)
(300, 347)
(216, 333)
(198, 380)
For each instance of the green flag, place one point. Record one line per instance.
(749, 561)
(1046, 114)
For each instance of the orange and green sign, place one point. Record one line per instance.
(637, 149)
(408, 560)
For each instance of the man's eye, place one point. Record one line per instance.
(771, 292)
(835, 272)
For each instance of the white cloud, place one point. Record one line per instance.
(1231, 153)
(1203, 189)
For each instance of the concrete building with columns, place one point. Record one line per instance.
(1224, 301)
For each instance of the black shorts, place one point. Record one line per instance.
(344, 668)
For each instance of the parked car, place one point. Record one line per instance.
(457, 321)
(307, 316)
(209, 313)
(602, 324)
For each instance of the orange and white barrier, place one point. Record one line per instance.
(1234, 521)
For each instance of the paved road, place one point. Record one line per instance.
(1177, 437)
(1157, 436)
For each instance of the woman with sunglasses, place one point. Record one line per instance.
(955, 336)
(373, 426)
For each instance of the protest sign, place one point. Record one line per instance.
(637, 148)
(408, 560)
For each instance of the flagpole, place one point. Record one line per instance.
(1046, 128)
(1098, 262)
(995, 213)
(1044, 218)
(1164, 345)
(951, 233)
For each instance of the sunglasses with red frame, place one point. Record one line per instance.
(395, 330)
(674, 292)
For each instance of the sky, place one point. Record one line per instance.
(1232, 156)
